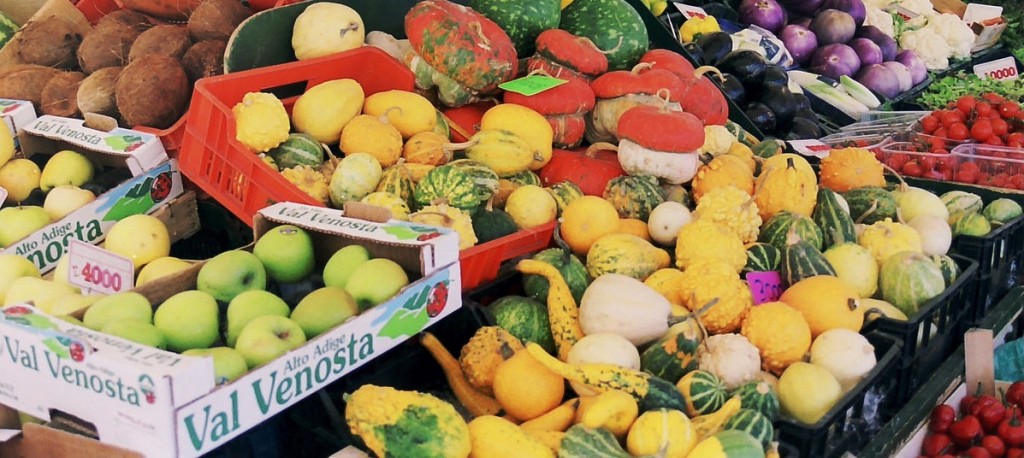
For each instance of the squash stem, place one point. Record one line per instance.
(455, 126)
(594, 148)
(852, 304)
(461, 146)
(477, 28)
(903, 184)
(702, 70)
(870, 211)
(641, 67)
(561, 243)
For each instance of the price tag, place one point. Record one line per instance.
(976, 12)
(97, 270)
(532, 85)
(1000, 69)
(813, 148)
(691, 11)
(3, 195)
(764, 286)
(905, 13)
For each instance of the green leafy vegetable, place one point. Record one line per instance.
(950, 88)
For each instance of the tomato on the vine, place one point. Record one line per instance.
(952, 117)
(983, 109)
(995, 141)
(992, 97)
(1000, 127)
(966, 104)
(929, 123)
(1009, 109)
(958, 132)
(981, 130)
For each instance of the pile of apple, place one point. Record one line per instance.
(258, 325)
(61, 180)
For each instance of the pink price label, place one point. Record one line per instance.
(691, 11)
(1000, 69)
(97, 270)
(764, 286)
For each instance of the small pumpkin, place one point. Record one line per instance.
(788, 189)
(367, 134)
(426, 148)
(659, 142)
(634, 196)
(704, 240)
(566, 56)
(780, 333)
(724, 170)
(618, 91)
(720, 286)
(591, 168)
(846, 169)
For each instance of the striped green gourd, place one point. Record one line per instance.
(802, 260)
(522, 20)
(754, 423)
(670, 358)
(564, 193)
(759, 395)
(583, 442)
(763, 257)
(776, 230)
(960, 203)
(703, 392)
(835, 223)
(947, 265)
(397, 180)
(614, 27)
(524, 178)
(525, 318)
(298, 149)
(634, 196)
(908, 280)
(871, 204)
(572, 269)
(460, 187)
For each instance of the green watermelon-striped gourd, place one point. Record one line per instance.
(526, 177)
(634, 196)
(572, 269)
(776, 230)
(763, 257)
(728, 443)
(583, 442)
(835, 223)
(802, 260)
(522, 20)
(484, 179)
(909, 279)
(870, 204)
(564, 193)
(614, 27)
(7, 29)
(948, 266)
(672, 357)
(461, 188)
(960, 203)
(298, 149)
(754, 423)
(525, 318)
(760, 396)
(703, 392)
(397, 180)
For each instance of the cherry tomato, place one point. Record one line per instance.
(927, 163)
(1015, 137)
(936, 444)
(1011, 430)
(929, 123)
(1014, 452)
(911, 168)
(1000, 127)
(941, 417)
(992, 414)
(958, 132)
(981, 130)
(983, 109)
(995, 141)
(966, 104)
(952, 117)
(977, 452)
(994, 445)
(1015, 393)
(1017, 181)
(940, 134)
(965, 431)
(992, 97)
(1009, 109)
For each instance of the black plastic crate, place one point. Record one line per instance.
(854, 420)
(922, 348)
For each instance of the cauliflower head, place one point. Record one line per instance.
(955, 32)
(929, 46)
(922, 7)
(882, 20)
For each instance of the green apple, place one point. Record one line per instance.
(324, 309)
(286, 253)
(343, 263)
(136, 331)
(19, 177)
(17, 223)
(118, 307)
(188, 320)
(376, 281)
(64, 199)
(141, 238)
(65, 167)
(160, 267)
(230, 273)
(13, 267)
(43, 293)
(228, 363)
(249, 305)
(268, 337)
(71, 319)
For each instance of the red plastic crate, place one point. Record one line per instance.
(481, 263)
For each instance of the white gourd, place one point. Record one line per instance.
(606, 348)
(673, 168)
(625, 306)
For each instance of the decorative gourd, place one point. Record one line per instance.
(618, 91)
(602, 348)
(585, 220)
(367, 134)
(914, 202)
(780, 333)
(835, 222)
(443, 215)
(426, 148)
(565, 107)
(781, 161)
(947, 265)
(612, 410)
(908, 279)
(566, 56)
(564, 193)
(786, 188)
(703, 98)
(661, 432)
(752, 422)
(677, 193)
(324, 29)
(659, 142)
(760, 396)
(729, 443)
(718, 140)
(493, 436)
(531, 207)
(474, 401)
(354, 177)
(524, 318)
(612, 296)
(397, 181)
(871, 204)
(720, 285)
(763, 257)
(634, 196)
(650, 391)
(826, 303)
(526, 124)
(590, 169)
(625, 254)
(503, 151)
(298, 149)
(666, 220)
(703, 392)
(490, 223)
(972, 224)
(732, 358)
(558, 419)
(562, 311)
(408, 112)
(456, 185)
(614, 27)
(668, 60)
(732, 208)
(464, 121)
(465, 54)
(583, 442)
(725, 170)
(885, 238)
(261, 121)
(846, 169)
(508, 184)
(389, 422)
(703, 240)
(776, 230)
(959, 203)
(1001, 211)
(396, 205)
(855, 265)
(802, 260)
(573, 271)
(309, 181)
(523, 20)
(666, 282)
(485, 180)
(807, 392)
(710, 424)
(671, 358)
(481, 356)
(633, 226)
(848, 355)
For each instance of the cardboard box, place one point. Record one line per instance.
(155, 182)
(987, 33)
(162, 404)
(16, 114)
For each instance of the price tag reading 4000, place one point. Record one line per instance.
(97, 270)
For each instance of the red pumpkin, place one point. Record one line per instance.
(460, 44)
(589, 168)
(175, 10)
(659, 129)
(466, 119)
(668, 60)
(621, 90)
(564, 106)
(567, 56)
(703, 99)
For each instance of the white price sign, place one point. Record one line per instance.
(1001, 69)
(97, 270)
(813, 148)
(691, 11)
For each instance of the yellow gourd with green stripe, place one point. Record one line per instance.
(728, 444)
(625, 254)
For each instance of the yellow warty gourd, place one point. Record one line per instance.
(261, 122)
(482, 355)
(309, 181)
(409, 112)
(886, 238)
(704, 240)
(733, 209)
(666, 282)
(788, 188)
(367, 134)
(446, 216)
(724, 170)
(780, 333)
(390, 423)
(705, 282)
(399, 209)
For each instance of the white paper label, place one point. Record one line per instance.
(3, 195)
(977, 12)
(97, 270)
(1001, 69)
(905, 13)
(691, 11)
(814, 148)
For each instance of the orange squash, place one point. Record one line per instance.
(851, 168)
(724, 170)
(633, 226)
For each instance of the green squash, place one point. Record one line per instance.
(525, 318)
(583, 442)
(572, 269)
(522, 20)
(776, 230)
(634, 196)
(801, 260)
(462, 188)
(564, 193)
(397, 180)
(759, 395)
(908, 280)
(871, 204)
(754, 423)
(614, 27)
(729, 443)
(948, 266)
(836, 225)
(702, 391)
(298, 149)
(492, 223)
(670, 358)
(763, 257)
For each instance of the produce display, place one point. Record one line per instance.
(702, 291)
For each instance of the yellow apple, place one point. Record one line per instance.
(64, 199)
(17, 223)
(74, 304)
(66, 167)
(19, 177)
(13, 267)
(6, 146)
(43, 293)
(141, 238)
(160, 267)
